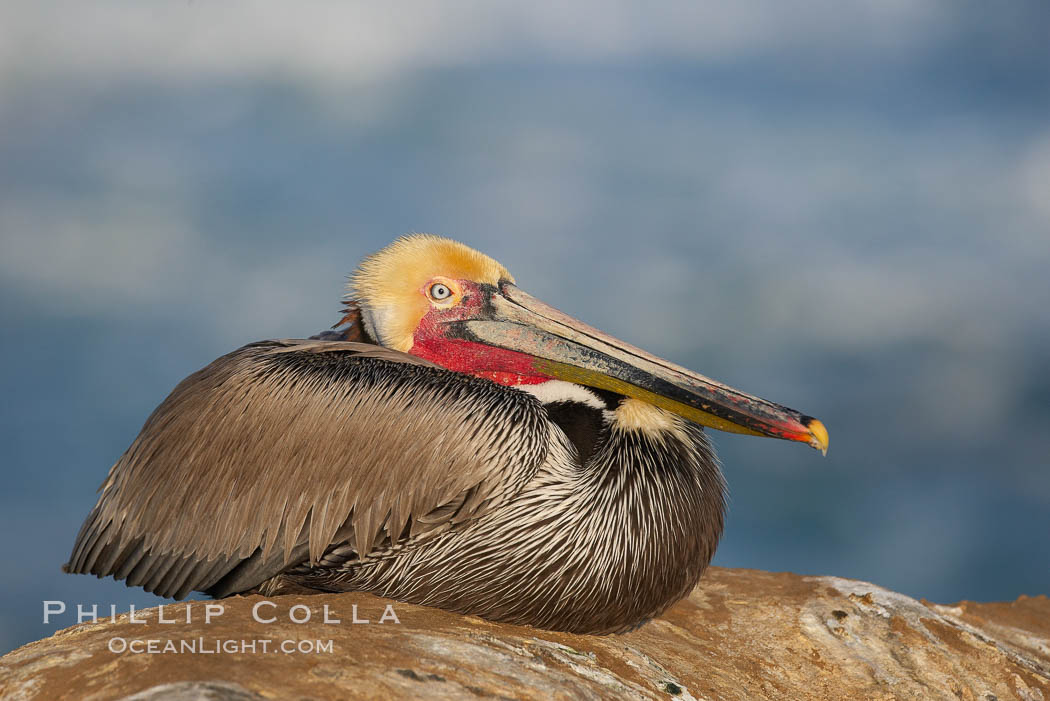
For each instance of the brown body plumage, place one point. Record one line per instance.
(336, 465)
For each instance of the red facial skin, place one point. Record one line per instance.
(502, 366)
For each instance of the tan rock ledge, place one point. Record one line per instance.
(743, 634)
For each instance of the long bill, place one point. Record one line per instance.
(565, 348)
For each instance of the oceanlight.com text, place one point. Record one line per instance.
(218, 646)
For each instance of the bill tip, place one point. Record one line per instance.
(818, 435)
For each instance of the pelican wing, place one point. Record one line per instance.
(281, 450)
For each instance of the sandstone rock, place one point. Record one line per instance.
(741, 635)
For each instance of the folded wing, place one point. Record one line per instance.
(278, 452)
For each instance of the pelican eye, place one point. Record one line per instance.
(439, 291)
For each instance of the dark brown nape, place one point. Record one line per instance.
(349, 328)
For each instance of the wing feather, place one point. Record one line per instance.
(277, 452)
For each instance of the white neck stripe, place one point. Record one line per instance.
(560, 391)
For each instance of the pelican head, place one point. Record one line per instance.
(445, 302)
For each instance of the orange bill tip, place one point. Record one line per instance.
(818, 435)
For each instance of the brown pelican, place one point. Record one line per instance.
(458, 444)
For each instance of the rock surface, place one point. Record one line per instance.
(742, 634)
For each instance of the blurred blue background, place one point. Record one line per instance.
(841, 207)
